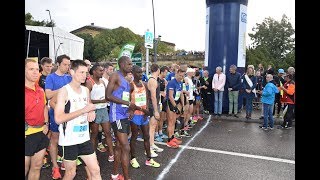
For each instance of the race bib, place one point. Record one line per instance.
(80, 128)
(176, 98)
(125, 97)
(184, 87)
(141, 99)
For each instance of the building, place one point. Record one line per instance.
(89, 29)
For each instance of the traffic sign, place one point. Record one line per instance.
(148, 39)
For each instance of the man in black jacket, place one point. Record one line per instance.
(206, 92)
(233, 85)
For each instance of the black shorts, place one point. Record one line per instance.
(35, 143)
(71, 153)
(190, 102)
(122, 125)
(170, 105)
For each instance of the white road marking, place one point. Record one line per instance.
(167, 168)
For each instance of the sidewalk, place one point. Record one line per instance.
(256, 114)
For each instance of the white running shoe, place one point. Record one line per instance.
(153, 154)
(156, 148)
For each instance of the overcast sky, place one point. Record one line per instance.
(178, 21)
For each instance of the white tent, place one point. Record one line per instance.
(60, 42)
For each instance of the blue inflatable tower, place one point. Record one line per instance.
(226, 22)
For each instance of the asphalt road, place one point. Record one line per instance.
(218, 149)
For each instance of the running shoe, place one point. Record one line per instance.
(111, 158)
(172, 144)
(152, 163)
(134, 163)
(185, 134)
(45, 163)
(163, 136)
(158, 138)
(78, 162)
(59, 159)
(177, 134)
(177, 141)
(119, 177)
(101, 147)
(155, 148)
(56, 173)
(153, 154)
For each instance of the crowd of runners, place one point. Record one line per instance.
(80, 108)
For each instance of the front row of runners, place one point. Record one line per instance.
(133, 105)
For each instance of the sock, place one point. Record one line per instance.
(160, 132)
(156, 134)
(149, 158)
(114, 176)
(99, 136)
(132, 157)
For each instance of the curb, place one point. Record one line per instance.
(253, 120)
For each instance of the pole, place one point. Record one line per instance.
(58, 48)
(147, 61)
(54, 43)
(28, 44)
(154, 35)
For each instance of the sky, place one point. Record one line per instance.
(177, 21)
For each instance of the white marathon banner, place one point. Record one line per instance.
(242, 36)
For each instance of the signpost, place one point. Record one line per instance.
(148, 44)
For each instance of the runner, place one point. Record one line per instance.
(174, 106)
(118, 93)
(36, 121)
(97, 90)
(140, 97)
(55, 81)
(153, 104)
(73, 112)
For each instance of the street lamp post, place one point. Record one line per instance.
(154, 35)
(58, 48)
(54, 43)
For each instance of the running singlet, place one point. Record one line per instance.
(139, 97)
(176, 87)
(75, 131)
(119, 111)
(98, 93)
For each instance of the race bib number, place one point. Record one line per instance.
(141, 99)
(125, 97)
(184, 87)
(176, 98)
(80, 128)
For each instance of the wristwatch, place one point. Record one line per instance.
(46, 123)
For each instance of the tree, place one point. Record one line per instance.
(273, 43)
(29, 21)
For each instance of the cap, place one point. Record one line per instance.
(190, 70)
(281, 71)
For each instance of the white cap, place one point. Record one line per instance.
(190, 70)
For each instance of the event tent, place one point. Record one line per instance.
(51, 42)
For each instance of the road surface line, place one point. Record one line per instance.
(167, 168)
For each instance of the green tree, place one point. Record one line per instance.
(30, 21)
(273, 43)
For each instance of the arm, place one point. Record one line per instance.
(171, 98)
(46, 120)
(152, 86)
(60, 115)
(111, 87)
(290, 90)
(213, 87)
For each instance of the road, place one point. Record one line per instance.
(219, 150)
